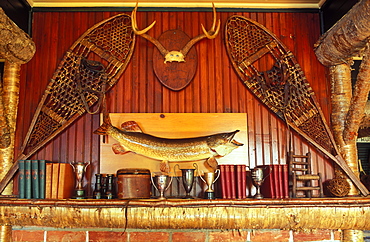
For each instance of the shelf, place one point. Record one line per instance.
(295, 214)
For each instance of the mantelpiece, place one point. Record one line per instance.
(294, 214)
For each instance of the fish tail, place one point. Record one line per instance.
(107, 124)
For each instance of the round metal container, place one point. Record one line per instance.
(133, 183)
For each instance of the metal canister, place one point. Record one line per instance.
(133, 183)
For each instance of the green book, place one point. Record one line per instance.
(42, 181)
(27, 179)
(35, 183)
(21, 181)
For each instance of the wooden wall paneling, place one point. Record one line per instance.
(215, 87)
(217, 65)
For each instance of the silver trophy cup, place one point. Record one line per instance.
(187, 179)
(258, 178)
(79, 169)
(161, 183)
(209, 178)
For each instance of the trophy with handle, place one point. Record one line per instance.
(209, 178)
(187, 179)
(79, 169)
(257, 179)
(161, 183)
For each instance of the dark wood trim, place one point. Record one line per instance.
(172, 9)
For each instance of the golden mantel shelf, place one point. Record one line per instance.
(295, 214)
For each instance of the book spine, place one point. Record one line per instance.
(21, 181)
(239, 181)
(276, 178)
(55, 181)
(48, 180)
(66, 184)
(42, 175)
(281, 181)
(232, 181)
(223, 181)
(244, 181)
(286, 181)
(35, 178)
(28, 180)
(228, 181)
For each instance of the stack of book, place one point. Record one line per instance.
(32, 179)
(39, 179)
(60, 181)
(233, 180)
(276, 184)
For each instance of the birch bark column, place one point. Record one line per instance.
(17, 48)
(348, 38)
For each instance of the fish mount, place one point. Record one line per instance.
(175, 46)
(284, 88)
(131, 138)
(79, 82)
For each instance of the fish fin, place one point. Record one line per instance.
(212, 163)
(131, 126)
(119, 149)
(102, 130)
(220, 150)
(164, 166)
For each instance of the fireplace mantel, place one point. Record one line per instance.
(292, 214)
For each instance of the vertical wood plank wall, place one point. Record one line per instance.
(215, 87)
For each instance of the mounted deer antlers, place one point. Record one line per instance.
(174, 55)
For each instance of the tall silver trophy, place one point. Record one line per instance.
(258, 178)
(161, 183)
(209, 178)
(79, 169)
(187, 179)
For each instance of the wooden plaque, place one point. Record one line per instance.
(175, 75)
(175, 125)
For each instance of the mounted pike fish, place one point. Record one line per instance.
(131, 138)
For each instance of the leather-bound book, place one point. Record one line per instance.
(66, 181)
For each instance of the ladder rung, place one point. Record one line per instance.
(308, 177)
(307, 188)
(300, 163)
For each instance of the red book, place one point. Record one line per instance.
(233, 181)
(276, 180)
(244, 181)
(280, 181)
(285, 181)
(268, 186)
(228, 181)
(223, 180)
(239, 182)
